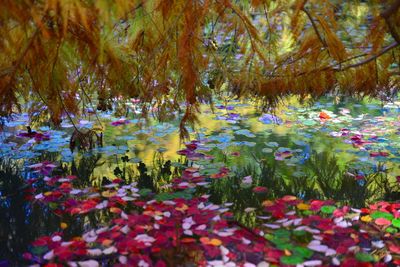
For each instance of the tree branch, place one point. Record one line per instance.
(392, 30)
(386, 14)
(16, 64)
(391, 10)
(371, 58)
(315, 27)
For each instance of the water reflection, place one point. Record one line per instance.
(289, 159)
(21, 221)
(322, 178)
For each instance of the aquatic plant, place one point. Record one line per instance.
(85, 139)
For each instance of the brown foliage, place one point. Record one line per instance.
(61, 52)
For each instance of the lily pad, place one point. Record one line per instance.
(396, 222)
(328, 209)
(292, 260)
(381, 214)
(365, 257)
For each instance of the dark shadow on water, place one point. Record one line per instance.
(20, 221)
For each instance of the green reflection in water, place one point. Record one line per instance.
(321, 166)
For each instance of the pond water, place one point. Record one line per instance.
(347, 152)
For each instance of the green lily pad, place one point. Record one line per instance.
(303, 252)
(292, 260)
(396, 223)
(391, 230)
(161, 149)
(309, 122)
(284, 246)
(272, 144)
(381, 214)
(209, 171)
(53, 205)
(144, 192)
(299, 232)
(365, 257)
(307, 212)
(267, 150)
(302, 236)
(39, 250)
(169, 196)
(279, 241)
(282, 233)
(328, 209)
(178, 164)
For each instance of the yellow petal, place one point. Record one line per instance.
(108, 193)
(183, 208)
(215, 242)
(303, 206)
(267, 203)
(287, 252)
(63, 225)
(107, 242)
(366, 218)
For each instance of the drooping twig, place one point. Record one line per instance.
(386, 14)
(315, 27)
(371, 58)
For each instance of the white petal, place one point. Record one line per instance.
(88, 263)
(318, 248)
(312, 263)
(123, 259)
(94, 252)
(263, 264)
(49, 255)
(110, 250)
(56, 238)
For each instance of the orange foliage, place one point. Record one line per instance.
(180, 52)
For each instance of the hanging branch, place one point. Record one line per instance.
(315, 27)
(13, 69)
(90, 101)
(386, 14)
(383, 51)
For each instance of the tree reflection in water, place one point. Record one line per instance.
(23, 220)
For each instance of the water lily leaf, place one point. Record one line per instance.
(269, 119)
(245, 132)
(144, 192)
(162, 149)
(37, 250)
(381, 214)
(169, 196)
(267, 150)
(391, 230)
(136, 160)
(365, 257)
(177, 164)
(285, 246)
(396, 222)
(272, 144)
(53, 205)
(209, 171)
(309, 122)
(292, 260)
(328, 209)
(282, 234)
(302, 236)
(303, 252)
